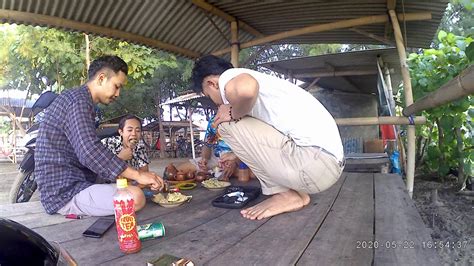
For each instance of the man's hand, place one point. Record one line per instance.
(150, 179)
(228, 170)
(125, 154)
(202, 164)
(228, 162)
(222, 115)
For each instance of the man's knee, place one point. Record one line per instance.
(138, 197)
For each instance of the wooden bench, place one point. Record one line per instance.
(364, 219)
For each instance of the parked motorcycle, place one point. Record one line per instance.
(24, 184)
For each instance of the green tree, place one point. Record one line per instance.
(447, 136)
(458, 19)
(37, 58)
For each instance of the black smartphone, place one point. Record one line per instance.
(99, 227)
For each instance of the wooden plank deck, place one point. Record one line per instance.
(366, 218)
(367, 163)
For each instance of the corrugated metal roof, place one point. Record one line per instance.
(185, 25)
(16, 105)
(326, 66)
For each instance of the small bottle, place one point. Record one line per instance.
(243, 172)
(394, 159)
(125, 219)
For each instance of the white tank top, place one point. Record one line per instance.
(291, 110)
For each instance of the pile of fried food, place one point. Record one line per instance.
(171, 198)
(214, 183)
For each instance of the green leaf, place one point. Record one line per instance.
(441, 35)
(470, 52)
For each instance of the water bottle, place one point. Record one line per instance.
(394, 159)
(125, 219)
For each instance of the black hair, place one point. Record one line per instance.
(111, 62)
(206, 66)
(128, 117)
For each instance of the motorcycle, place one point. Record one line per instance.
(24, 184)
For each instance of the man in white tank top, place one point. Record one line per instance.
(284, 134)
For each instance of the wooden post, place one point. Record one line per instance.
(14, 138)
(192, 130)
(235, 44)
(388, 82)
(88, 51)
(410, 170)
(290, 76)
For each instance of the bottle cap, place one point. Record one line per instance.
(122, 183)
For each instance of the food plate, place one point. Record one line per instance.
(162, 201)
(186, 186)
(214, 184)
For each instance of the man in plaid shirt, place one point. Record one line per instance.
(69, 155)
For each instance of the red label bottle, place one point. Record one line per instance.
(125, 219)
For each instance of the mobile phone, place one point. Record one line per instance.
(99, 227)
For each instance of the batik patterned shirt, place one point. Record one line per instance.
(139, 157)
(213, 140)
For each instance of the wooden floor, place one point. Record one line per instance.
(365, 219)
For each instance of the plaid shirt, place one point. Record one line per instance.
(69, 155)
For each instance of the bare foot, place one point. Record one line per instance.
(279, 203)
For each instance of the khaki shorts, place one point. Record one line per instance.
(96, 200)
(276, 160)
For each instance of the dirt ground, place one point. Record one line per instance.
(450, 220)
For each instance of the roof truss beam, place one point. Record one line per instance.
(373, 36)
(368, 20)
(338, 73)
(36, 19)
(350, 85)
(216, 11)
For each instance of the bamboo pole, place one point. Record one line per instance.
(373, 36)
(37, 19)
(14, 138)
(349, 23)
(381, 120)
(88, 50)
(388, 81)
(235, 44)
(191, 131)
(337, 73)
(459, 87)
(216, 11)
(410, 170)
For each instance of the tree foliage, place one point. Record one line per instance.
(37, 58)
(445, 149)
(254, 56)
(458, 19)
